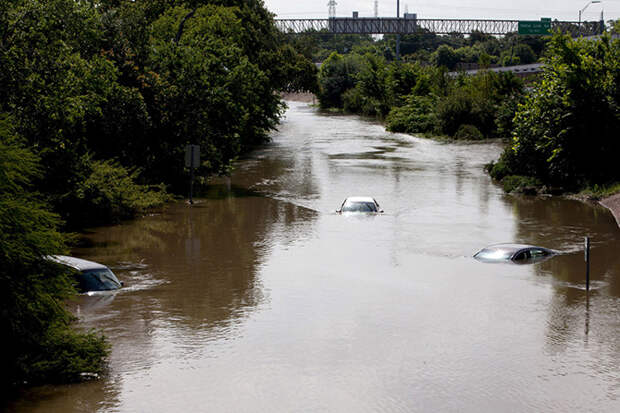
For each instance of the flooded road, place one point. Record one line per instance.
(260, 298)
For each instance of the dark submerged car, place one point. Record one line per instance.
(91, 276)
(364, 204)
(517, 253)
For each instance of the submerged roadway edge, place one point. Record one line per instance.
(613, 204)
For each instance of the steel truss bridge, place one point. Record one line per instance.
(393, 25)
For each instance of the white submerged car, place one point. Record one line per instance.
(361, 204)
(517, 253)
(92, 276)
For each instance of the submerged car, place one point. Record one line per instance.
(92, 276)
(364, 204)
(518, 253)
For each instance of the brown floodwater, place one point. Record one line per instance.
(259, 298)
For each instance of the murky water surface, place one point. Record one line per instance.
(260, 298)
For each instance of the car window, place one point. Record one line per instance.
(494, 254)
(538, 253)
(521, 256)
(359, 207)
(98, 280)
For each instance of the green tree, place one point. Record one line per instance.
(337, 75)
(445, 56)
(566, 131)
(38, 342)
(400, 81)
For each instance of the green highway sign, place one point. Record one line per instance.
(535, 27)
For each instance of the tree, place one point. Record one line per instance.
(566, 132)
(38, 342)
(337, 75)
(445, 56)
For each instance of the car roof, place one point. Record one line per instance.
(77, 263)
(360, 199)
(514, 247)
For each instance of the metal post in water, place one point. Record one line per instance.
(192, 160)
(191, 177)
(587, 258)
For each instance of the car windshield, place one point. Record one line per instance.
(98, 279)
(538, 253)
(359, 207)
(495, 254)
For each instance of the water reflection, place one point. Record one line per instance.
(562, 224)
(582, 327)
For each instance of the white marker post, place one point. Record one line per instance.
(192, 160)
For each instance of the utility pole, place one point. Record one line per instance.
(331, 8)
(398, 34)
(376, 8)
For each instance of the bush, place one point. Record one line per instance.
(504, 117)
(355, 101)
(498, 169)
(110, 193)
(455, 110)
(445, 56)
(337, 75)
(67, 357)
(417, 116)
(519, 183)
(468, 132)
(38, 344)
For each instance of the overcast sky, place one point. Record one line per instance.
(467, 9)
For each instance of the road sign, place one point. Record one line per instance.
(541, 27)
(192, 156)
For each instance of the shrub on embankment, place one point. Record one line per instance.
(566, 131)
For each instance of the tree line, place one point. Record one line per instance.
(452, 51)
(99, 99)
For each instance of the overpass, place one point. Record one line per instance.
(410, 25)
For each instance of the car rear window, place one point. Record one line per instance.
(495, 254)
(359, 207)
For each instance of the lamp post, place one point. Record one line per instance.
(584, 8)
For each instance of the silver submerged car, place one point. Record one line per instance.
(518, 253)
(363, 204)
(92, 276)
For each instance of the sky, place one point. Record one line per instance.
(566, 10)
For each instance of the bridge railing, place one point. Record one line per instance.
(393, 25)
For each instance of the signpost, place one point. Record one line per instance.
(533, 27)
(192, 160)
